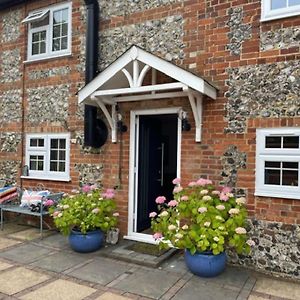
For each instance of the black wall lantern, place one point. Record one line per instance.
(120, 126)
(185, 125)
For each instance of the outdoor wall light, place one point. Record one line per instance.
(185, 125)
(120, 126)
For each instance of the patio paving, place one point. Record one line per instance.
(48, 269)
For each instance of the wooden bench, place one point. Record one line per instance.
(15, 207)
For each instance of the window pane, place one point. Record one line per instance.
(40, 165)
(53, 155)
(62, 144)
(290, 165)
(272, 177)
(54, 143)
(290, 178)
(62, 155)
(294, 2)
(33, 142)
(64, 29)
(56, 31)
(273, 142)
(57, 17)
(43, 47)
(65, 15)
(62, 167)
(53, 166)
(35, 49)
(64, 43)
(291, 142)
(41, 23)
(272, 164)
(36, 37)
(56, 44)
(32, 165)
(276, 4)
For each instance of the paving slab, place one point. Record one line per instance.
(111, 296)
(16, 280)
(4, 266)
(25, 253)
(55, 241)
(60, 290)
(12, 227)
(254, 297)
(175, 264)
(152, 284)
(232, 277)
(197, 289)
(59, 262)
(278, 288)
(29, 234)
(5, 243)
(100, 271)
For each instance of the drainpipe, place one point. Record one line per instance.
(93, 127)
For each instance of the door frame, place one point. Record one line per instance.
(133, 167)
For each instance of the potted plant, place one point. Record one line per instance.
(85, 217)
(204, 221)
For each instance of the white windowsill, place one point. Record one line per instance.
(47, 178)
(279, 16)
(285, 195)
(68, 54)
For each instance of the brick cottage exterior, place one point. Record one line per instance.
(250, 132)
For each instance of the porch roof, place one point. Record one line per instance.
(123, 80)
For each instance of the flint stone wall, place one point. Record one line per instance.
(9, 171)
(48, 104)
(10, 106)
(42, 74)
(232, 161)
(126, 7)
(239, 32)
(89, 173)
(11, 23)
(163, 37)
(262, 91)
(280, 39)
(277, 248)
(9, 141)
(10, 66)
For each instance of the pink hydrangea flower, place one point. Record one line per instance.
(203, 182)
(116, 214)
(216, 192)
(176, 181)
(192, 183)
(202, 209)
(240, 230)
(94, 187)
(109, 194)
(95, 210)
(86, 188)
(226, 189)
(160, 199)
(49, 202)
(152, 214)
(223, 197)
(251, 243)
(177, 189)
(184, 198)
(173, 203)
(157, 235)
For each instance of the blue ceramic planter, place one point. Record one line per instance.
(89, 242)
(205, 264)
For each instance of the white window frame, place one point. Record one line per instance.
(267, 14)
(49, 32)
(272, 154)
(46, 174)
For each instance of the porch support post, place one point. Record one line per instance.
(196, 105)
(112, 119)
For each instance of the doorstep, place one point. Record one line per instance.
(120, 252)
